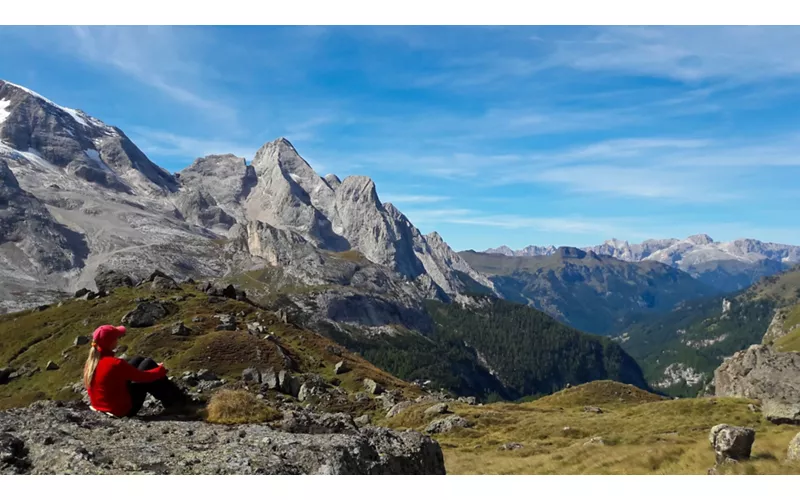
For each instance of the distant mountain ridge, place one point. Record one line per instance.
(728, 266)
(592, 292)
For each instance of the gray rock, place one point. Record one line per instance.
(398, 408)
(227, 322)
(163, 284)
(362, 420)
(162, 446)
(470, 400)
(207, 375)
(81, 340)
(437, 409)
(51, 366)
(371, 386)
(510, 446)
(304, 422)
(13, 455)
(793, 452)
(110, 280)
(779, 412)
(146, 314)
(760, 373)
(313, 385)
(269, 379)
(288, 384)
(340, 368)
(180, 329)
(81, 292)
(731, 443)
(592, 409)
(447, 424)
(251, 376)
(255, 328)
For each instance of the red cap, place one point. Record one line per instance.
(104, 337)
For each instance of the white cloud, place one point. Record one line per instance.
(159, 142)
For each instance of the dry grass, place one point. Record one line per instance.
(642, 435)
(238, 407)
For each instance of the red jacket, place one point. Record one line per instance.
(109, 388)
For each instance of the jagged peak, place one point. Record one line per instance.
(571, 252)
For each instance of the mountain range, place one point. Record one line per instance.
(727, 266)
(79, 199)
(592, 292)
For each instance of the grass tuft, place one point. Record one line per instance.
(239, 407)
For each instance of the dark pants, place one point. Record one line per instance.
(162, 389)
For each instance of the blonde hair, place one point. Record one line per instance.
(91, 365)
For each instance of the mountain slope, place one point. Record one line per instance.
(133, 216)
(594, 293)
(680, 350)
(727, 266)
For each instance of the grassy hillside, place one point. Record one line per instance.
(596, 294)
(637, 433)
(29, 339)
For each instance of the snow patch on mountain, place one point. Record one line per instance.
(4, 113)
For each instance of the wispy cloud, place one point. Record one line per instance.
(156, 56)
(159, 142)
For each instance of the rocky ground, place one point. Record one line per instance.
(67, 438)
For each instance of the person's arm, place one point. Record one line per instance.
(133, 374)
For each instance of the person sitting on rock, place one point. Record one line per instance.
(118, 387)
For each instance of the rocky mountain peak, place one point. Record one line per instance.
(571, 253)
(700, 239)
(333, 181)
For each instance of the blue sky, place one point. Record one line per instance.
(488, 135)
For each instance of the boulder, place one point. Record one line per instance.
(163, 284)
(157, 274)
(90, 295)
(595, 441)
(437, 409)
(340, 367)
(227, 322)
(81, 292)
(206, 375)
(110, 280)
(510, 446)
(371, 386)
(269, 379)
(81, 340)
(362, 420)
(731, 443)
(84, 445)
(761, 373)
(51, 366)
(592, 409)
(779, 412)
(313, 385)
(470, 400)
(288, 384)
(793, 452)
(398, 408)
(180, 330)
(447, 424)
(146, 314)
(255, 328)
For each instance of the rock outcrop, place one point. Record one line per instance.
(56, 438)
(760, 373)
